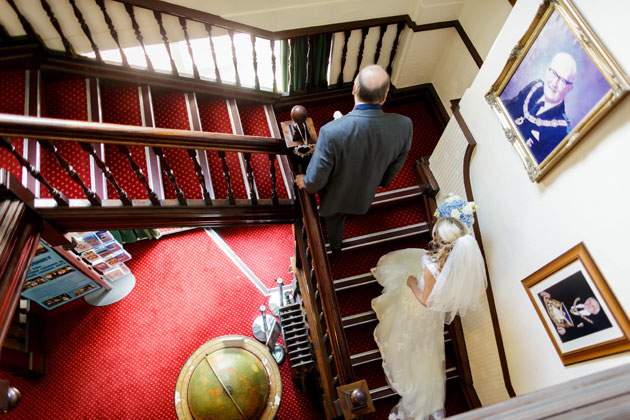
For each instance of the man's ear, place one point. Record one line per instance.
(385, 97)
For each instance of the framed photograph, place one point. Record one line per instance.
(558, 82)
(579, 311)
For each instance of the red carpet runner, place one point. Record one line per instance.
(122, 361)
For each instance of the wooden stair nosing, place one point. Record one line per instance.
(396, 196)
(387, 391)
(382, 236)
(353, 281)
(358, 319)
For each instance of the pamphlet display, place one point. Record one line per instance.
(52, 281)
(104, 253)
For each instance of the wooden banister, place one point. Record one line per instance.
(67, 130)
(327, 294)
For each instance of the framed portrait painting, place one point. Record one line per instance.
(557, 84)
(579, 311)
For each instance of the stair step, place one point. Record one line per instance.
(354, 281)
(358, 319)
(365, 357)
(396, 196)
(383, 236)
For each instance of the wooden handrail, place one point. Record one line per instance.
(334, 326)
(67, 130)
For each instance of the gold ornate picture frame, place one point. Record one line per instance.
(558, 82)
(580, 313)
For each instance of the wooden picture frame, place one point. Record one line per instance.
(579, 311)
(558, 82)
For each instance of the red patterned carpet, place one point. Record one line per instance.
(122, 361)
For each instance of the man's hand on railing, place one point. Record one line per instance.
(299, 180)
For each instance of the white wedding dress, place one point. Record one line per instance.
(410, 336)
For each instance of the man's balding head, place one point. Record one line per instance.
(371, 85)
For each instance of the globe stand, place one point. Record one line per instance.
(266, 329)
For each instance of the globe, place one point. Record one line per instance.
(232, 381)
(229, 378)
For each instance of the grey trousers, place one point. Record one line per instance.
(334, 226)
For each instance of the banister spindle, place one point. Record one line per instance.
(94, 199)
(234, 60)
(112, 31)
(227, 177)
(182, 22)
(344, 52)
(399, 29)
(59, 197)
(122, 194)
(379, 44)
(217, 75)
(124, 150)
(25, 23)
(274, 181)
(272, 43)
(291, 64)
(310, 45)
(168, 171)
(158, 18)
(255, 61)
(364, 33)
(86, 30)
(55, 23)
(136, 29)
(200, 177)
(250, 178)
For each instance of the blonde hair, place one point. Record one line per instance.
(445, 232)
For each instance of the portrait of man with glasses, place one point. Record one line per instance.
(538, 110)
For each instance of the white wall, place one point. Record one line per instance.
(525, 225)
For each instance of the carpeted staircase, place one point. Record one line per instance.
(396, 221)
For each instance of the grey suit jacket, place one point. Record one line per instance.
(353, 156)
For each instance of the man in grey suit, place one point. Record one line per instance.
(356, 154)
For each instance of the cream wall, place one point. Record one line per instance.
(525, 225)
(482, 20)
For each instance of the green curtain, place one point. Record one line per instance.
(319, 68)
(129, 236)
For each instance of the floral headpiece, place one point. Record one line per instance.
(458, 208)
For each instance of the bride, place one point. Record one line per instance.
(422, 290)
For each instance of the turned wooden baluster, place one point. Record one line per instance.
(112, 31)
(122, 194)
(250, 178)
(202, 179)
(55, 24)
(136, 29)
(379, 44)
(272, 173)
(94, 199)
(255, 61)
(227, 177)
(25, 23)
(139, 174)
(86, 30)
(291, 64)
(217, 75)
(234, 60)
(344, 52)
(399, 29)
(182, 22)
(166, 168)
(272, 43)
(59, 197)
(310, 44)
(158, 18)
(364, 33)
